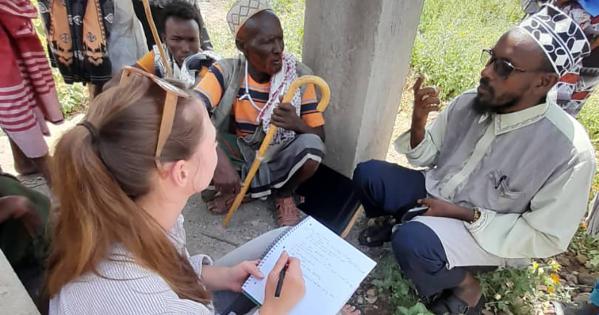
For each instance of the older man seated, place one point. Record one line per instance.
(244, 95)
(507, 174)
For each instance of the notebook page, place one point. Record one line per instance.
(332, 268)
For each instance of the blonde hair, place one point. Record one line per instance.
(98, 177)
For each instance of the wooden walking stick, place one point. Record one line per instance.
(167, 65)
(322, 105)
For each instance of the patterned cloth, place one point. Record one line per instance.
(577, 84)
(193, 70)
(560, 37)
(27, 93)
(243, 10)
(78, 33)
(283, 158)
(279, 83)
(244, 113)
(186, 72)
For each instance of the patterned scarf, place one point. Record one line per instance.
(279, 83)
(78, 33)
(188, 72)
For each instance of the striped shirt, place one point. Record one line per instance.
(124, 287)
(212, 87)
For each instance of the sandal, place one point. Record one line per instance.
(287, 212)
(221, 203)
(451, 305)
(376, 236)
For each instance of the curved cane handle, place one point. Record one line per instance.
(310, 79)
(295, 85)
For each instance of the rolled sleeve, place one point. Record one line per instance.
(426, 152)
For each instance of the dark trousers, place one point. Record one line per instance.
(389, 189)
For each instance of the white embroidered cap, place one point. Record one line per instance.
(560, 37)
(243, 10)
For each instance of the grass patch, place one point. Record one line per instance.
(452, 34)
(523, 290)
(402, 296)
(291, 13)
(507, 291)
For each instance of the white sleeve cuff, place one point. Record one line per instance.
(402, 145)
(199, 261)
(486, 216)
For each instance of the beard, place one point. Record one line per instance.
(482, 106)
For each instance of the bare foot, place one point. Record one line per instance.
(350, 310)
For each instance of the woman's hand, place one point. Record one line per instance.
(238, 274)
(217, 278)
(292, 290)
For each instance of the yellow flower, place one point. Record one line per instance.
(535, 266)
(555, 266)
(555, 278)
(550, 289)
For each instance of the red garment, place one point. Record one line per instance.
(27, 92)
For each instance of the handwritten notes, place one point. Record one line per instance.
(332, 268)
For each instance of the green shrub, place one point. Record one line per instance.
(589, 117)
(291, 13)
(510, 290)
(520, 290)
(450, 38)
(401, 294)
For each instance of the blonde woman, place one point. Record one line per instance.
(126, 173)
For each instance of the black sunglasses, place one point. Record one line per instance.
(502, 67)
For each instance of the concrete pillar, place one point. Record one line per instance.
(362, 48)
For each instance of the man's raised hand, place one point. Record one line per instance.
(426, 100)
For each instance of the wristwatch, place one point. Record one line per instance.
(476, 215)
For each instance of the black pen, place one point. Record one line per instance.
(280, 282)
(501, 179)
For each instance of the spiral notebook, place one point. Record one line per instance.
(332, 268)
